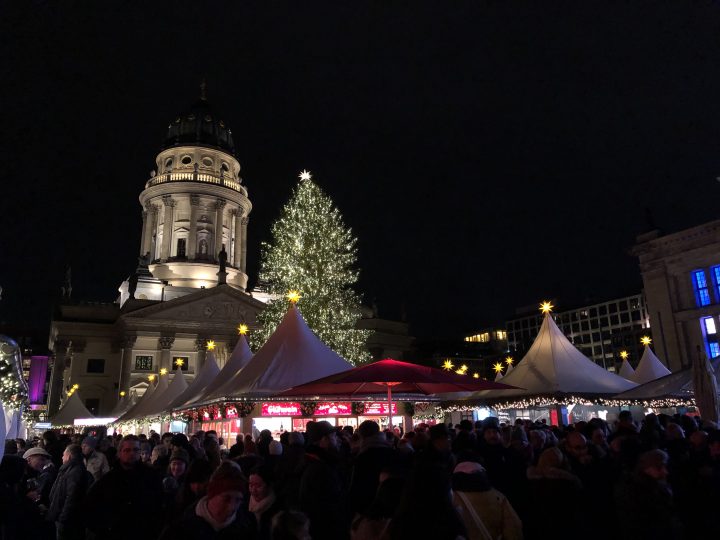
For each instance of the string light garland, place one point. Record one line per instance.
(313, 251)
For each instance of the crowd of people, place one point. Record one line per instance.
(657, 479)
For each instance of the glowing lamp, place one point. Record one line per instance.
(210, 345)
(624, 355)
(546, 307)
(448, 365)
(645, 340)
(293, 296)
(243, 329)
(305, 175)
(498, 367)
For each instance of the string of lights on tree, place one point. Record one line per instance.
(313, 252)
(13, 390)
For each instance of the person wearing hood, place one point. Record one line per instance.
(263, 503)
(374, 455)
(67, 494)
(219, 514)
(485, 511)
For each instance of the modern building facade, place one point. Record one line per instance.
(681, 276)
(600, 331)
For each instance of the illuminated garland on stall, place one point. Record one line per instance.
(313, 252)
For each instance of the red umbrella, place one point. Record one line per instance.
(393, 376)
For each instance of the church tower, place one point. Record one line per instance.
(194, 207)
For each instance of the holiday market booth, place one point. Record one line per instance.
(554, 381)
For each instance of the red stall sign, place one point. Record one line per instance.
(378, 408)
(281, 409)
(231, 412)
(333, 409)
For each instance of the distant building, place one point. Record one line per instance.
(681, 276)
(600, 331)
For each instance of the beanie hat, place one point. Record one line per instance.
(228, 477)
(181, 455)
(491, 422)
(90, 441)
(275, 448)
(319, 430)
(179, 439)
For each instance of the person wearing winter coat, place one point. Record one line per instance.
(67, 495)
(374, 455)
(486, 512)
(95, 462)
(264, 502)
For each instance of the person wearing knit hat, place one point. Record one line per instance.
(218, 511)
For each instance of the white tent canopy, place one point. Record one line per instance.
(553, 365)
(127, 401)
(130, 414)
(72, 409)
(649, 368)
(291, 356)
(148, 405)
(227, 379)
(195, 389)
(163, 401)
(626, 370)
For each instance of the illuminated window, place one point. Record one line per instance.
(715, 271)
(143, 362)
(714, 350)
(702, 294)
(709, 325)
(710, 335)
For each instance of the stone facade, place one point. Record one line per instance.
(681, 322)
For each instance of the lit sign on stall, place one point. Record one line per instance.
(379, 408)
(333, 409)
(281, 409)
(231, 412)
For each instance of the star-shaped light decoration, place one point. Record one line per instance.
(122, 393)
(463, 368)
(163, 371)
(75, 386)
(210, 345)
(624, 355)
(242, 329)
(459, 372)
(151, 378)
(546, 307)
(293, 296)
(305, 175)
(498, 367)
(179, 362)
(509, 360)
(645, 340)
(476, 375)
(448, 365)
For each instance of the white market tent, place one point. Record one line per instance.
(554, 366)
(148, 404)
(649, 368)
(626, 370)
(208, 372)
(162, 402)
(72, 409)
(291, 356)
(227, 379)
(130, 413)
(123, 406)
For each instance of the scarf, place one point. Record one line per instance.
(259, 507)
(201, 510)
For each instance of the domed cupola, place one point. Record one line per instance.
(199, 126)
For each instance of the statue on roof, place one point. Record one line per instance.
(222, 259)
(66, 288)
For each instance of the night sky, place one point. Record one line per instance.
(486, 154)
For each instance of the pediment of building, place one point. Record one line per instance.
(221, 304)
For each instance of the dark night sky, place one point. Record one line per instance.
(486, 154)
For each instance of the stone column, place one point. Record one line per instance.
(145, 227)
(243, 244)
(56, 377)
(126, 362)
(192, 235)
(149, 226)
(168, 223)
(238, 238)
(200, 344)
(166, 343)
(219, 213)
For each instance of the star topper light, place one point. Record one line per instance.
(645, 340)
(210, 345)
(163, 371)
(305, 175)
(498, 367)
(624, 355)
(546, 307)
(448, 365)
(509, 360)
(293, 296)
(179, 362)
(242, 329)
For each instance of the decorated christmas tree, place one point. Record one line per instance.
(313, 252)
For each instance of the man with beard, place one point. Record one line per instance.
(322, 487)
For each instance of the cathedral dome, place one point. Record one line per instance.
(199, 126)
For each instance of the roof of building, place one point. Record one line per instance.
(199, 125)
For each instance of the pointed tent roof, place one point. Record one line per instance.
(161, 404)
(498, 376)
(127, 401)
(130, 413)
(148, 405)
(72, 409)
(626, 370)
(195, 389)
(649, 368)
(554, 366)
(227, 379)
(291, 356)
